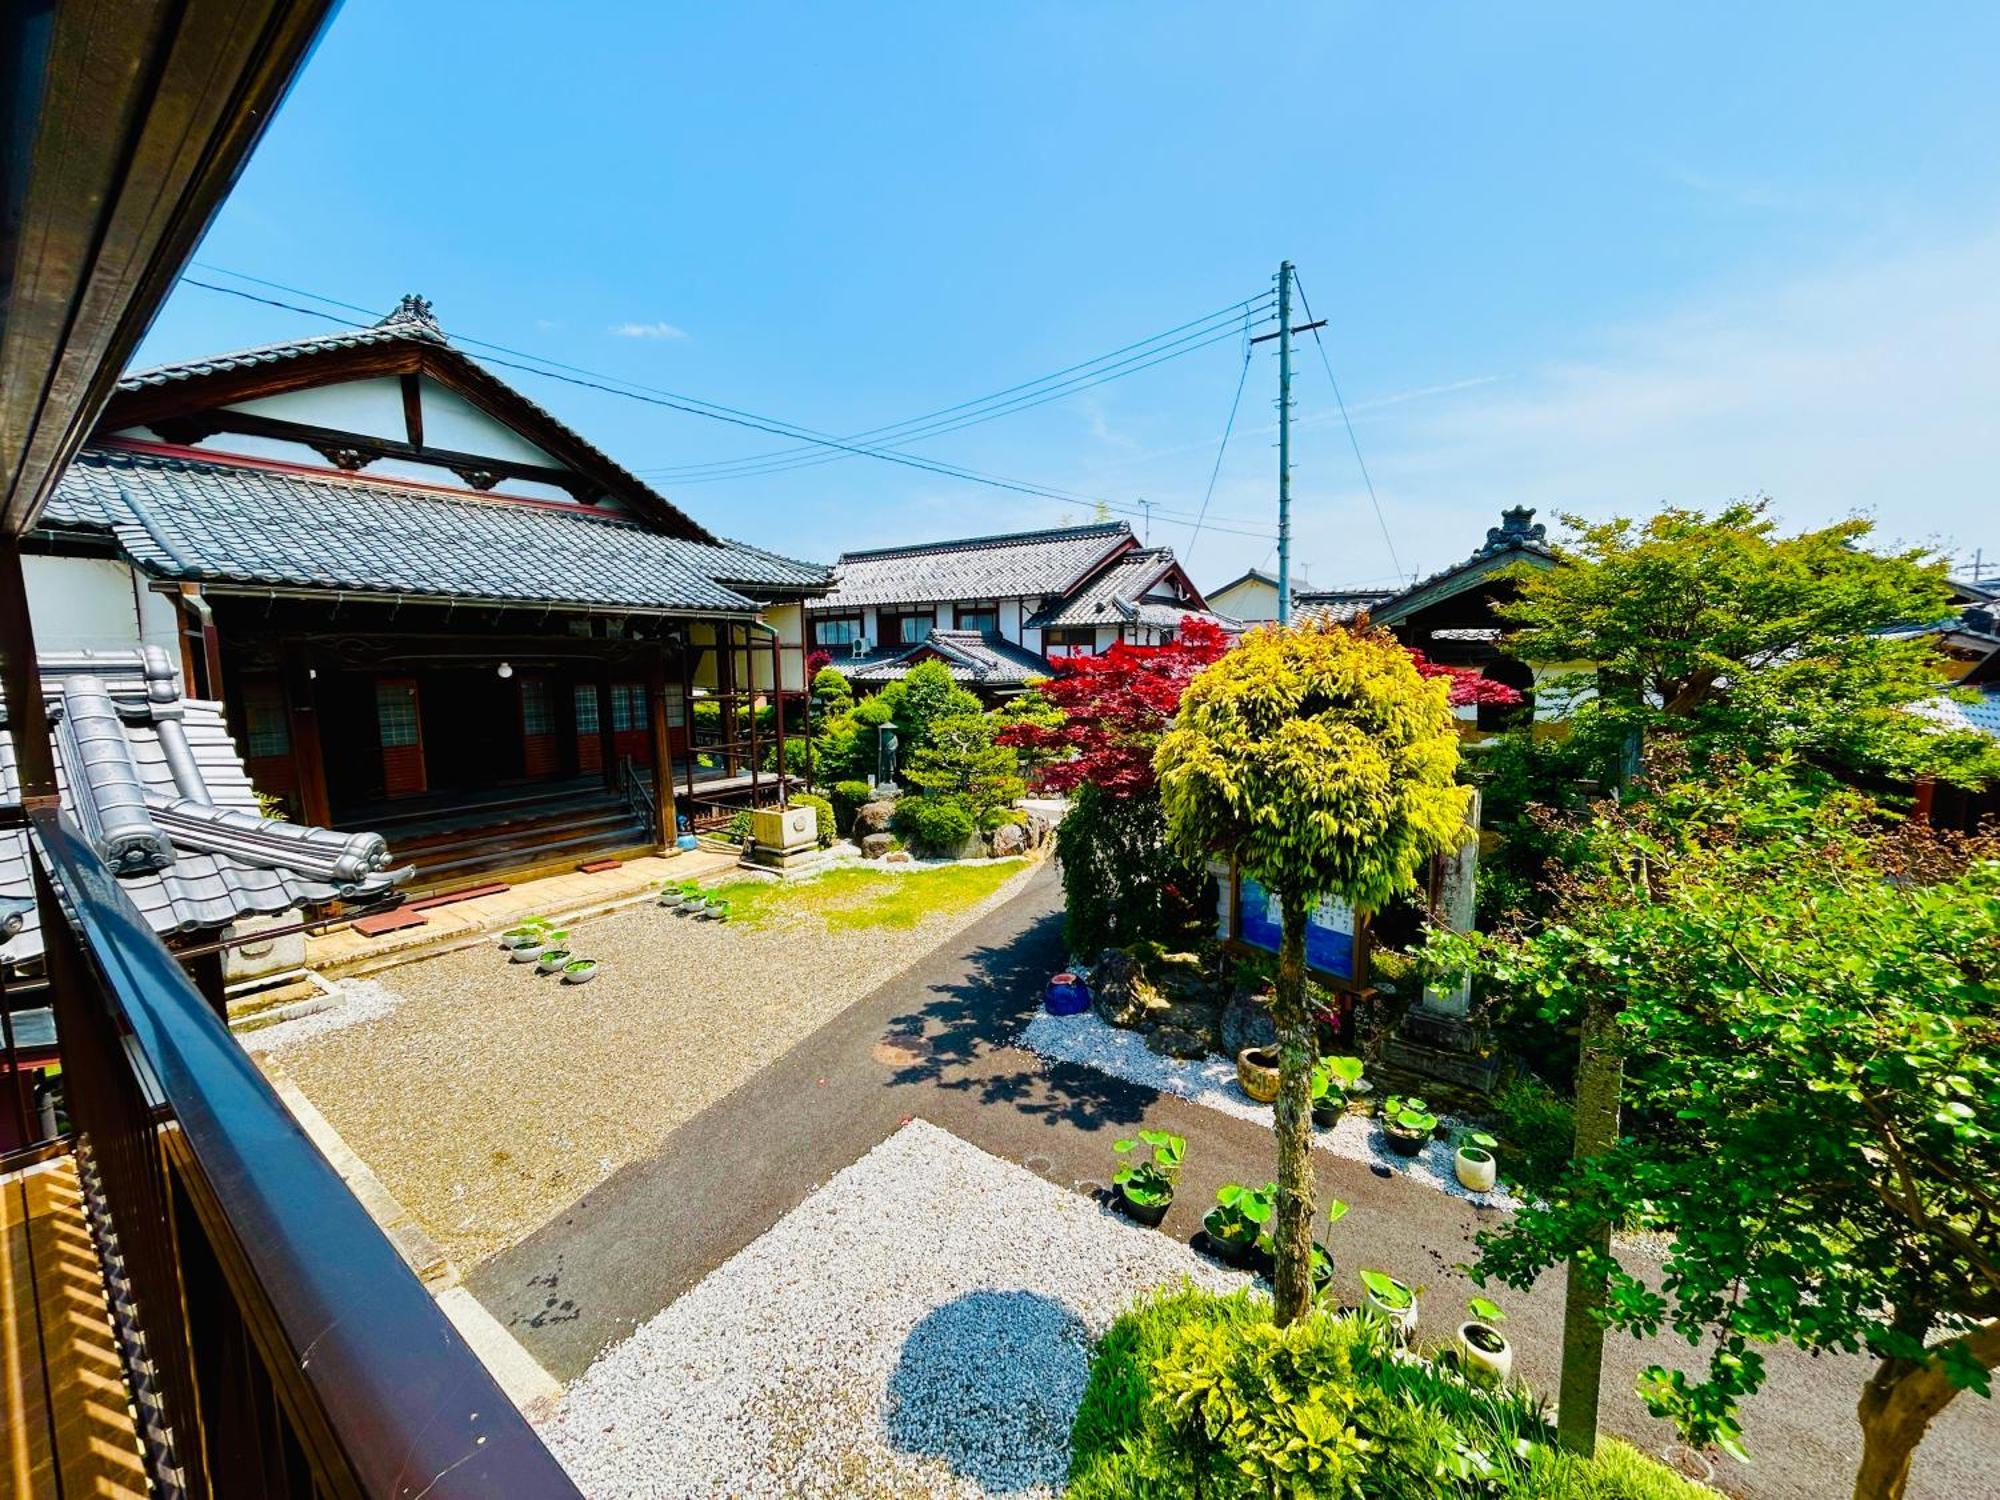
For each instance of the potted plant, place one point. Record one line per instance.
(1146, 1184)
(1257, 1072)
(551, 960)
(1235, 1225)
(1333, 1079)
(692, 901)
(671, 895)
(1474, 1161)
(718, 911)
(527, 935)
(1393, 1301)
(1407, 1123)
(1322, 1258)
(1482, 1349)
(530, 948)
(580, 971)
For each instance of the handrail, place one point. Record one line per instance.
(383, 1395)
(638, 796)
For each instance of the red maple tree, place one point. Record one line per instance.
(1116, 706)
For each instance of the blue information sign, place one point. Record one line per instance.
(1329, 929)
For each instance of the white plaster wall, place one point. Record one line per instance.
(96, 604)
(1252, 601)
(789, 621)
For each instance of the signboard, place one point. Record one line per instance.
(1332, 934)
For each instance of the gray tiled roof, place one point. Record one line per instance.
(1334, 606)
(1980, 716)
(1108, 598)
(251, 522)
(980, 657)
(1021, 564)
(1514, 540)
(410, 321)
(156, 786)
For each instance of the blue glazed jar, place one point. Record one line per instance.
(1067, 995)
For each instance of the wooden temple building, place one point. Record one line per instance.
(429, 608)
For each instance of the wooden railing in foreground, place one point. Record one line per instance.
(277, 1345)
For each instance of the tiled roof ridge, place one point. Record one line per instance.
(999, 539)
(130, 452)
(390, 327)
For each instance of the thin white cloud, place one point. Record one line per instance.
(648, 331)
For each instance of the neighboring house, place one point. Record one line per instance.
(997, 609)
(1253, 599)
(1969, 644)
(428, 607)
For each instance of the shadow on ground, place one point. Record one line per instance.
(988, 1384)
(958, 1038)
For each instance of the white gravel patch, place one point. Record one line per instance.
(1211, 1081)
(919, 1326)
(353, 1001)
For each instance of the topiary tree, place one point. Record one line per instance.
(1323, 763)
(923, 699)
(835, 693)
(963, 762)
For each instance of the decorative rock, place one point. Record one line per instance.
(873, 817)
(1009, 838)
(1176, 1041)
(1246, 1022)
(973, 848)
(877, 845)
(897, 857)
(1037, 830)
(1124, 998)
(1197, 1020)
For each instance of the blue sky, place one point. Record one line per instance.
(1584, 257)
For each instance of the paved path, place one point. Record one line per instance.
(933, 1042)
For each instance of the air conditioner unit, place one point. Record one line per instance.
(859, 646)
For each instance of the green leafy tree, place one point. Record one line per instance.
(1721, 633)
(1807, 1011)
(833, 691)
(1323, 763)
(923, 699)
(962, 762)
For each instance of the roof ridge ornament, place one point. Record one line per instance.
(1514, 529)
(412, 309)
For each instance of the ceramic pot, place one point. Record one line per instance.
(1257, 1072)
(1241, 1256)
(526, 955)
(1476, 1168)
(551, 960)
(1402, 1319)
(1327, 1114)
(1404, 1142)
(1066, 995)
(580, 976)
(1484, 1354)
(671, 898)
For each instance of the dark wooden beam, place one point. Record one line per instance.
(413, 409)
(124, 127)
(308, 756)
(663, 753)
(355, 450)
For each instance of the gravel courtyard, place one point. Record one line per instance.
(489, 1098)
(919, 1326)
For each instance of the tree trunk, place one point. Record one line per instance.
(1600, 1079)
(1897, 1407)
(1291, 1280)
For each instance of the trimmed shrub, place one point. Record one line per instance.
(833, 691)
(848, 796)
(738, 831)
(822, 808)
(1123, 882)
(936, 825)
(1197, 1395)
(962, 762)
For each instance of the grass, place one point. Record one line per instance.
(854, 899)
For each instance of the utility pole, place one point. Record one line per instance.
(1284, 338)
(1147, 505)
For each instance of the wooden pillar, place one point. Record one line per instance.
(778, 704)
(34, 753)
(663, 753)
(211, 642)
(607, 752)
(302, 721)
(205, 969)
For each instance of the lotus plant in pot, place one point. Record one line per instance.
(1322, 1258)
(551, 960)
(527, 935)
(1333, 1080)
(580, 971)
(671, 895)
(1393, 1301)
(1235, 1226)
(544, 938)
(1407, 1124)
(1474, 1161)
(1145, 1177)
(718, 911)
(692, 901)
(1482, 1349)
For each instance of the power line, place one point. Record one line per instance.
(1242, 375)
(693, 407)
(1353, 441)
(896, 431)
